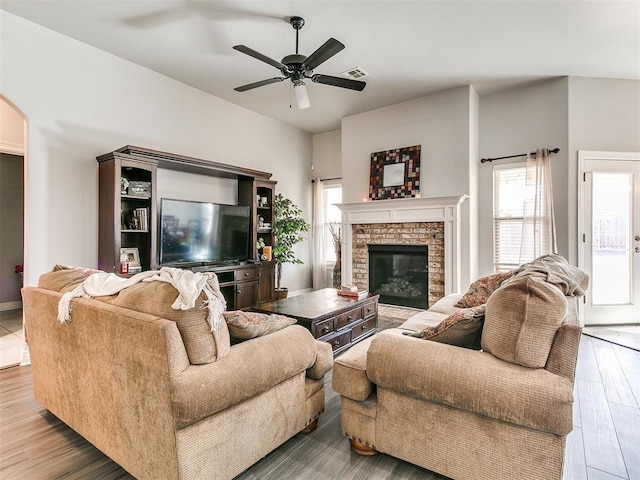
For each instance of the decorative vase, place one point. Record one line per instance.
(337, 271)
(281, 293)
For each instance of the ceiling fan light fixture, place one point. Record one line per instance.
(302, 96)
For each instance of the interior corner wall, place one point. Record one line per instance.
(604, 116)
(474, 163)
(521, 120)
(327, 154)
(82, 102)
(441, 124)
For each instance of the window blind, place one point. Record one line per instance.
(510, 195)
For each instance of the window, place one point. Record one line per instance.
(509, 197)
(332, 219)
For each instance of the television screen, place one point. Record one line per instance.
(203, 232)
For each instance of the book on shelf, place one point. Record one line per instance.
(140, 219)
(358, 294)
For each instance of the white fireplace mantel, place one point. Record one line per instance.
(408, 210)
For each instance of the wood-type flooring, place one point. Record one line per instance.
(604, 444)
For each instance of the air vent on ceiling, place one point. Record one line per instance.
(355, 73)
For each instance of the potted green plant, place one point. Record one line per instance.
(288, 227)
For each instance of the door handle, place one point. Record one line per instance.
(637, 238)
(637, 249)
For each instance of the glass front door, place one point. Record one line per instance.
(611, 238)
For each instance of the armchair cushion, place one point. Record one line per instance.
(250, 369)
(462, 328)
(245, 325)
(480, 290)
(521, 321)
(472, 381)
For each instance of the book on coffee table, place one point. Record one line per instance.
(356, 294)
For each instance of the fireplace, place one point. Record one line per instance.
(434, 221)
(400, 274)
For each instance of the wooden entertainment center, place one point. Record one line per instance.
(128, 217)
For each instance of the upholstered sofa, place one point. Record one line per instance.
(502, 412)
(160, 393)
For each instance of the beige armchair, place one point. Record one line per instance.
(500, 413)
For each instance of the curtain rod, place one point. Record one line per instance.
(326, 179)
(484, 160)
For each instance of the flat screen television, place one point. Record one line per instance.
(203, 232)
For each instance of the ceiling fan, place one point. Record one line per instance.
(299, 67)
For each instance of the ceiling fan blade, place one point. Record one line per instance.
(339, 82)
(259, 56)
(261, 83)
(327, 50)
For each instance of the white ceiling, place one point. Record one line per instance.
(409, 48)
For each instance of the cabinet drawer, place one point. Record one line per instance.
(245, 274)
(369, 309)
(348, 318)
(364, 328)
(323, 328)
(339, 340)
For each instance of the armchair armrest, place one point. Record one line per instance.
(470, 380)
(323, 363)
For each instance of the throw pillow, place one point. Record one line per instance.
(245, 325)
(480, 290)
(462, 328)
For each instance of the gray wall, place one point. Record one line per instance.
(11, 226)
(456, 128)
(517, 121)
(442, 124)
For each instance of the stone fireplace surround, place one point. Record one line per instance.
(400, 234)
(421, 216)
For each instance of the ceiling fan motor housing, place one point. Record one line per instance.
(294, 67)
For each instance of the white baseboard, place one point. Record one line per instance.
(10, 306)
(299, 292)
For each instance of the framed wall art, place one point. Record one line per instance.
(395, 173)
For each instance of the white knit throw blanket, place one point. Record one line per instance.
(188, 284)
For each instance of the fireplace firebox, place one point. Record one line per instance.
(400, 274)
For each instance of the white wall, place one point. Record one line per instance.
(441, 123)
(517, 121)
(327, 154)
(604, 115)
(81, 102)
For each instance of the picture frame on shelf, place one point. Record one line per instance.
(133, 255)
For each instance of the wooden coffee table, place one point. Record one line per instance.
(340, 321)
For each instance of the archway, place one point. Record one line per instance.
(12, 176)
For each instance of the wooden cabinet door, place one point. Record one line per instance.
(267, 282)
(246, 295)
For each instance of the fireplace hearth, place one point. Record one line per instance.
(400, 274)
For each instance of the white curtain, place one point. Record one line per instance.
(538, 226)
(318, 262)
